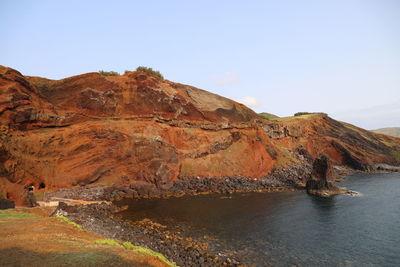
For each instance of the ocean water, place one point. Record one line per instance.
(292, 228)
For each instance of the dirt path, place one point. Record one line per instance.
(29, 238)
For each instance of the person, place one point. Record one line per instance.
(29, 197)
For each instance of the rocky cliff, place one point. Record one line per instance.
(138, 130)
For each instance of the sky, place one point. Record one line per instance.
(341, 57)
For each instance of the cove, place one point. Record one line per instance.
(284, 228)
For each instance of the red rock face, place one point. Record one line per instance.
(135, 128)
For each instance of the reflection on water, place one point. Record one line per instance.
(286, 228)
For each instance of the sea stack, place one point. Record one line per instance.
(319, 183)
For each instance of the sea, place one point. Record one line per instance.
(291, 228)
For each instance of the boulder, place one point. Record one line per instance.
(6, 204)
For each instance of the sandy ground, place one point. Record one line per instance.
(29, 238)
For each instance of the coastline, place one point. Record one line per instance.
(103, 219)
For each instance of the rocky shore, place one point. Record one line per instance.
(103, 219)
(290, 178)
(318, 178)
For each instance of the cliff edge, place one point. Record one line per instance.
(140, 132)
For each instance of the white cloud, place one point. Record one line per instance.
(228, 78)
(249, 101)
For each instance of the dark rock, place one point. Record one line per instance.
(319, 183)
(6, 204)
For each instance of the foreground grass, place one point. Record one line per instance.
(137, 249)
(28, 237)
(12, 215)
(66, 220)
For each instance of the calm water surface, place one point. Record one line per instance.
(285, 228)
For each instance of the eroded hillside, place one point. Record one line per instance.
(139, 130)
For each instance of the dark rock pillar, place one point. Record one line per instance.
(318, 183)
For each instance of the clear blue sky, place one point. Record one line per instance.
(340, 57)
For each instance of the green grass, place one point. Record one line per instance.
(137, 249)
(11, 214)
(299, 117)
(110, 242)
(268, 116)
(129, 245)
(66, 220)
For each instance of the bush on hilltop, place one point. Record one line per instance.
(150, 70)
(108, 73)
(308, 113)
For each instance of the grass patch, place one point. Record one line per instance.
(66, 220)
(268, 116)
(11, 214)
(137, 249)
(110, 242)
(129, 245)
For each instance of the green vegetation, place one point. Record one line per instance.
(110, 242)
(108, 73)
(268, 116)
(65, 219)
(12, 214)
(137, 249)
(129, 245)
(150, 70)
(308, 113)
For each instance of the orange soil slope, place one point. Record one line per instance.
(138, 128)
(52, 242)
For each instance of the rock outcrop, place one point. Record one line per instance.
(139, 131)
(320, 182)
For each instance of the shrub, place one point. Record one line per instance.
(302, 113)
(308, 113)
(108, 73)
(150, 70)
